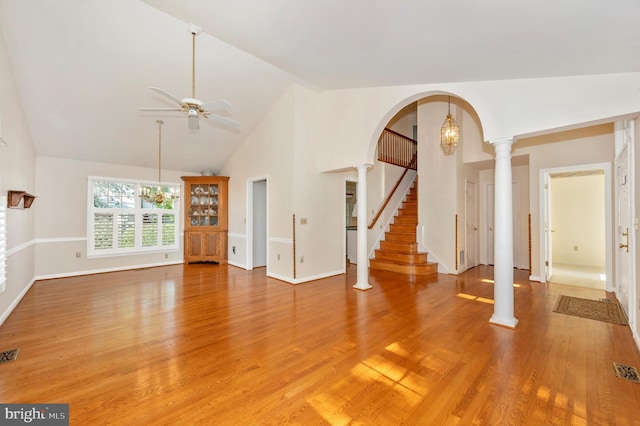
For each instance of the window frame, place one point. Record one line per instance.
(139, 212)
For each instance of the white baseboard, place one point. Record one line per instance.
(13, 305)
(100, 271)
(237, 265)
(305, 279)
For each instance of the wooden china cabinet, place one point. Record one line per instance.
(206, 218)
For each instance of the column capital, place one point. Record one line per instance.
(363, 167)
(502, 141)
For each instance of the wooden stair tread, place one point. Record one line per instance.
(423, 269)
(398, 251)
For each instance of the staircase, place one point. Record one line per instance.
(399, 250)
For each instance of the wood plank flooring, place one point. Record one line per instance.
(208, 344)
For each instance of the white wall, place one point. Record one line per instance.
(317, 197)
(17, 163)
(268, 153)
(520, 177)
(442, 181)
(505, 108)
(570, 148)
(61, 217)
(578, 220)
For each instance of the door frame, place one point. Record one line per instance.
(624, 139)
(344, 220)
(249, 220)
(473, 244)
(545, 212)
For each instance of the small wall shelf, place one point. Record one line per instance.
(15, 197)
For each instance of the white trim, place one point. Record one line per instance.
(59, 240)
(138, 211)
(17, 300)
(237, 265)
(281, 240)
(103, 270)
(20, 247)
(249, 220)
(234, 235)
(306, 279)
(124, 180)
(543, 177)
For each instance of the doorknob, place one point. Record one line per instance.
(491, 228)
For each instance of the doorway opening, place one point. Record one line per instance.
(351, 221)
(257, 202)
(577, 226)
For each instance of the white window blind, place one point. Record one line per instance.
(3, 243)
(119, 221)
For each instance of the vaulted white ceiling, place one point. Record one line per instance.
(83, 67)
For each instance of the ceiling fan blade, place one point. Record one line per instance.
(221, 120)
(168, 95)
(159, 109)
(194, 125)
(216, 105)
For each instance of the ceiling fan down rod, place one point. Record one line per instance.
(194, 30)
(193, 65)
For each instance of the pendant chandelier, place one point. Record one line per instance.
(159, 196)
(449, 134)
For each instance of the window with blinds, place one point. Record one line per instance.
(120, 222)
(3, 243)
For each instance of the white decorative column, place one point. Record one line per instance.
(362, 280)
(503, 237)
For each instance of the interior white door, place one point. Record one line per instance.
(471, 225)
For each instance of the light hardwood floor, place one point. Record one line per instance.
(208, 344)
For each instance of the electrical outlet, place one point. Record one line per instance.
(301, 259)
(166, 255)
(278, 256)
(78, 254)
(303, 221)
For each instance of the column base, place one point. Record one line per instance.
(510, 323)
(365, 286)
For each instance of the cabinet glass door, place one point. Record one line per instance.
(203, 208)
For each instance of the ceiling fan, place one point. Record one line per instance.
(192, 106)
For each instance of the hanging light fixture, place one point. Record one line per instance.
(159, 196)
(449, 134)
